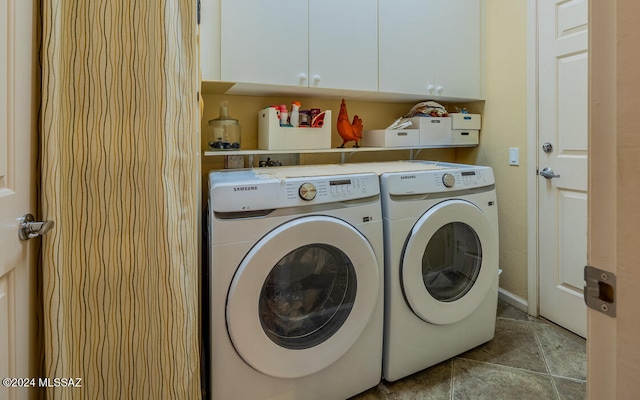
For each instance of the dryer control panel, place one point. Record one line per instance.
(438, 181)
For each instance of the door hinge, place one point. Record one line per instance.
(600, 290)
(198, 12)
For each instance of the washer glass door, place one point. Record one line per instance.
(307, 296)
(450, 262)
(304, 292)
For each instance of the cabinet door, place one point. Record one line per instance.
(457, 53)
(406, 46)
(209, 37)
(431, 47)
(264, 41)
(343, 44)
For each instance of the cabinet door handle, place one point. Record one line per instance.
(316, 79)
(302, 78)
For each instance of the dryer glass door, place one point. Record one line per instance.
(302, 296)
(450, 262)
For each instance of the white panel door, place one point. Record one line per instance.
(18, 114)
(563, 80)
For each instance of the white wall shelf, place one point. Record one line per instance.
(345, 153)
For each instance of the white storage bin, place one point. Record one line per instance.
(465, 129)
(391, 138)
(272, 136)
(465, 121)
(438, 131)
(465, 137)
(434, 131)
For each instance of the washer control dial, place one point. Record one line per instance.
(449, 180)
(307, 191)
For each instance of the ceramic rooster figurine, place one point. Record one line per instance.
(349, 130)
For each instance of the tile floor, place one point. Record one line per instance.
(529, 358)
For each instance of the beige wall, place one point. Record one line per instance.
(374, 115)
(504, 125)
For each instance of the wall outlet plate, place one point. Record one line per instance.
(514, 156)
(234, 161)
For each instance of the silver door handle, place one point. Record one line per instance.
(548, 173)
(29, 228)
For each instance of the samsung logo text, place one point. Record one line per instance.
(244, 188)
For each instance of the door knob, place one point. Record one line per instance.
(548, 173)
(29, 228)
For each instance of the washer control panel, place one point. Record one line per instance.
(322, 190)
(257, 193)
(448, 180)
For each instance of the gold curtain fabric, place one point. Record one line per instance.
(120, 177)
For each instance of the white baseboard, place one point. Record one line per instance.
(511, 299)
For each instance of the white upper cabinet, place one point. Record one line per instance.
(432, 48)
(314, 43)
(343, 44)
(264, 41)
(412, 48)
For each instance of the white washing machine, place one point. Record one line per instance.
(441, 265)
(296, 283)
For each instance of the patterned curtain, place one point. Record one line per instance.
(120, 177)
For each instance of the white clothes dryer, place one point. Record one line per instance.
(295, 282)
(441, 265)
